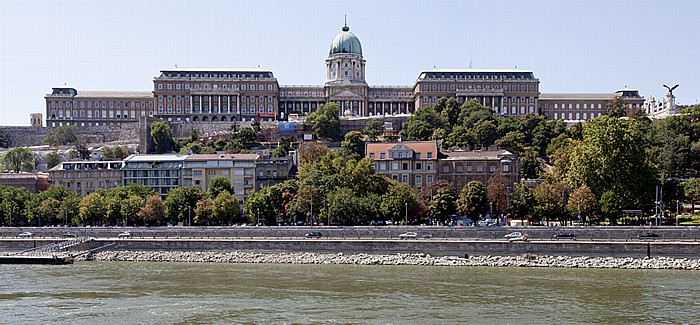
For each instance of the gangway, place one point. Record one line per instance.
(53, 248)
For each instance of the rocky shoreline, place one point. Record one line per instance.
(526, 260)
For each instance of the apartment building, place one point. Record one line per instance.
(239, 169)
(160, 172)
(85, 176)
(461, 167)
(410, 162)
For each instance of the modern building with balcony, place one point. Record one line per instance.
(160, 172)
(270, 170)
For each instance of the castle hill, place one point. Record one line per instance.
(460, 163)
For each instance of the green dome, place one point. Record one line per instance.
(346, 42)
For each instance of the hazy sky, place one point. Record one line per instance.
(572, 46)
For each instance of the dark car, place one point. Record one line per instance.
(648, 235)
(564, 235)
(313, 234)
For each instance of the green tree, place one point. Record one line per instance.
(485, 133)
(443, 205)
(115, 153)
(521, 201)
(611, 206)
(162, 137)
(19, 159)
(14, 205)
(473, 201)
(219, 184)
(225, 208)
(62, 135)
(52, 159)
(130, 208)
(616, 107)
(612, 157)
(326, 121)
(353, 145)
(180, 201)
(396, 200)
(691, 189)
(549, 200)
(372, 129)
(421, 124)
(93, 208)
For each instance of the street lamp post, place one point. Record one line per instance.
(258, 223)
(406, 213)
(189, 216)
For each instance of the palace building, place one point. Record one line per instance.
(224, 94)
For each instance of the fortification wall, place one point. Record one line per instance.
(32, 136)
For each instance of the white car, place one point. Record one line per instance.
(521, 238)
(514, 235)
(125, 234)
(408, 235)
(26, 234)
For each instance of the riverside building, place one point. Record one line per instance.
(244, 94)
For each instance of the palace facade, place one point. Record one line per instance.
(223, 94)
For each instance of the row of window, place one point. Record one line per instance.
(100, 184)
(206, 86)
(89, 104)
(459, 168)
(215, 98)
(403, 178)
(90, 174)
(89, 114)
(215, 109)
(401, 154)
(395, 165)
(388, 94)
(452, 87)
(578, 116)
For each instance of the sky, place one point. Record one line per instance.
(571, 46)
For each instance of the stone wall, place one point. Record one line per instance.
(94, 135)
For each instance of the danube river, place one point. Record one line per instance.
(167, 293)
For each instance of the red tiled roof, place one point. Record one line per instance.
(422, 147)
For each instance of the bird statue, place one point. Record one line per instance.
(670, 89)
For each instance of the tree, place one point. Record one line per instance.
(203, 211)
(219, 184)
(153, 211)
(130, 208)
(396, 200)
(62, 135)
(691, 189)
(115, 153)
(93, 208)
(19, 159)
(612, 157)
(521, 201)
(496, 192)
(421, 124)
(162, 137)
(611, 206)
(485, 133)
(326, 121)
(353, 145)
(180, 201)
(14, 204)
(616, 107)
(225, 208)
(472, 200)
(582, 203)
(549, 200)
(372, 129)
(443, 205)
(52, 159)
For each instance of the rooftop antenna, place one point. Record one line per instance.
(346, 20)
(176, 65)
(470, 60)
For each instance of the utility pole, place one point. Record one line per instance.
(406, 213)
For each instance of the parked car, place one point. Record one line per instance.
(408, 235)
(69, 235)
(564, 235)
(428, 236)
(514, 234)
(648, 235)
(26, 234)
(313, 234)
(124, 234)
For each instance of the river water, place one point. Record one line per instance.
(182, 293)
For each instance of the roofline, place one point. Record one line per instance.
(478, 70)
(215, 70)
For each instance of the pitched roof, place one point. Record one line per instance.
(422, 147)
(475, 154)
(114, 94)
(239, 156)
(577, 96)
